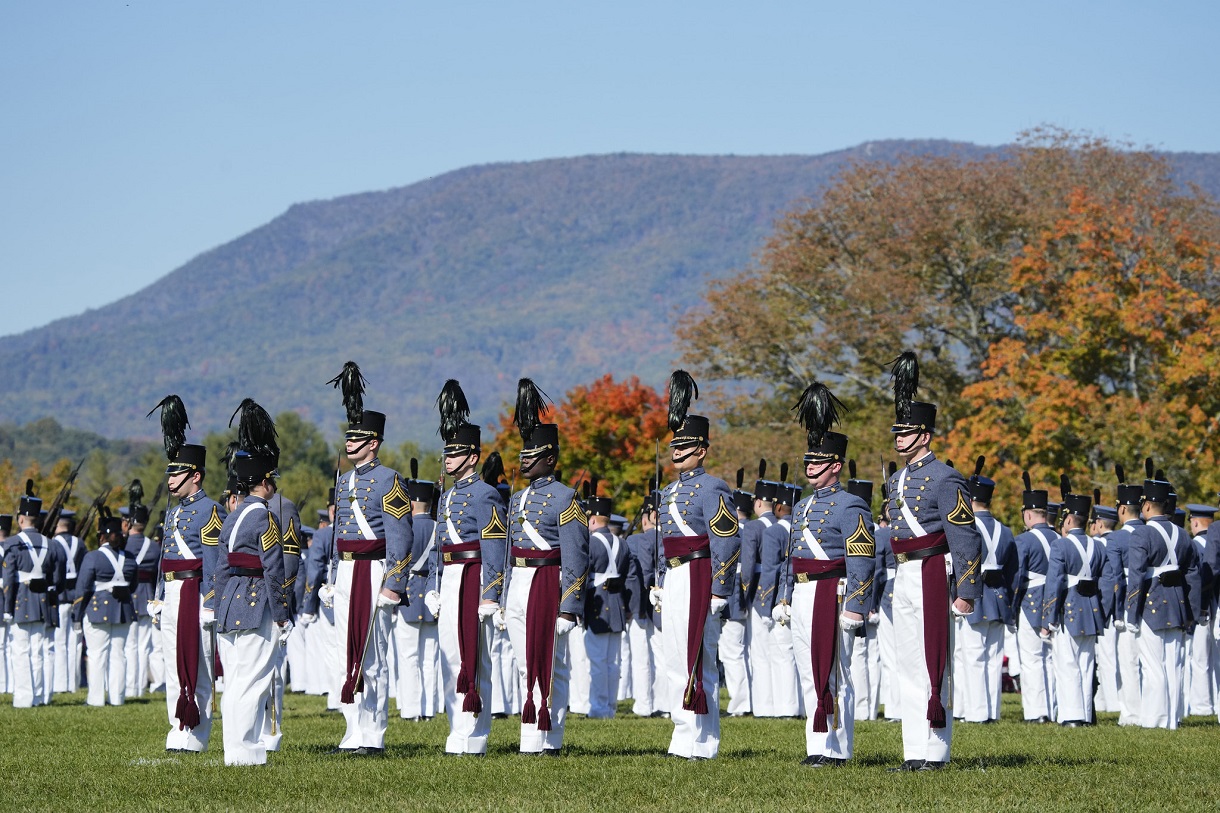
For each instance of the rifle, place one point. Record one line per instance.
(84, 526)
(48, 528)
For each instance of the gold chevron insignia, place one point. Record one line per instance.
(495, 528)
(210, 533)
(575, 588)
(291, 542)
(396, 503)
(962, 513)
(725, 521)
(271, 536)
(574, 512)
(861, 542)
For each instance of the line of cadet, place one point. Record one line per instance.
(485, 602)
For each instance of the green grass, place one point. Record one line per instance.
(70, 757)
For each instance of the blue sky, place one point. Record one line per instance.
(138, 134)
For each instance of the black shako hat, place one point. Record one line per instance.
(909, 415)
(981, 488)
(461, 437)
(689, 430)
(362, 424)
(537, 438)
(818, 410)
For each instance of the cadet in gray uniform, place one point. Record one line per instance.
(1072, 616)
(145, 661)
(734, 632)
(1164, 597)
(700, 547)
(252, 611)
(415, 627)
(1033, 559)
(289, 519)
(184, 609)
(550, 551)
(1114, 586)
(33, 573)
(758, 611)
(930, 517)
(67, 639)
(1199, 656)
(605, 612)
(104, 611)
(782, 698)
(831, 540)
(318, 605)
(472, 545)
(373, 543)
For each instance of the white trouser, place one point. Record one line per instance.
(334, 658)
(785, 699)
(1129, 691)
(980, 666)
(28, 646)
(919, 739)
(625, 689)
(1162, 654)
(48, 660)
(107, 662)
(762, 701)
(67, 652)
(643, 667)
(1012, 650)
(296, 653)
(467, 732)
(1037, 673)
(580, 674)
(312, 679)
(368, 715)
(1199, 671)
(195, 739)
(1075, 662)
(865, 673)
(6, 670)
(1106, 698)
(604, 651)
(695, 735)
(156, 661)
(836, 742)
(139, 656)
(273, 723)
(418, 668)
(503, 674)
(249, 660)
(661, 691)
(733, 642)
(533, 740)
(889, 667)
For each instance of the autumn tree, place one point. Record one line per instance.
(933, 254)
(607, 430)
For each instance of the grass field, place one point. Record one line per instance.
(70, 757)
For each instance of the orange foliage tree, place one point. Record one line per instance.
(608, 430)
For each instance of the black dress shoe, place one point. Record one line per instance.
(1042, 720)
(338, 750)
(551, 752)
(823, 762)
(909, 765)
(930, 765)
(368, 751)
(813, 760)
(696, 759)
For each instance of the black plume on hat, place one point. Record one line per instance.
(762, 468)
(352, 384)
(817, 411)
(414, 468)
(1149, 469)
(1119, 473)
(29, 488)
(493, 469)
(893, 468)
(978, 465)
(1025, 479)
(174, 424)
(682, 389)
(255, 430)
(741, 476)
(783, 472)
(851, 469)
(905, 376)
(531, 403)
(453, 408)
(229, 452)
(135, 493)
(1065, 487)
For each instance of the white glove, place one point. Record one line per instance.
(385, 601)
(327, 595)
(78, 626)
(959, 613)
(285, 632)
(780, 614)
(874, 619)
(154, 607)
(305, 619)
(717, 605)
(563, 626)
(849, 624)
(432, 600)
(8, 618)
(655, 595)
(486, 611)
(1120, 625)
(1012, 628)
(207, 617)
(500, 621)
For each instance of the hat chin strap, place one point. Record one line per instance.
(686, 456)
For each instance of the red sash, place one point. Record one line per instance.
(541, 611)
(187, 639)
(468, 624)
(694, 698)
(935, 616)
(824, 633)
(359, 613)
